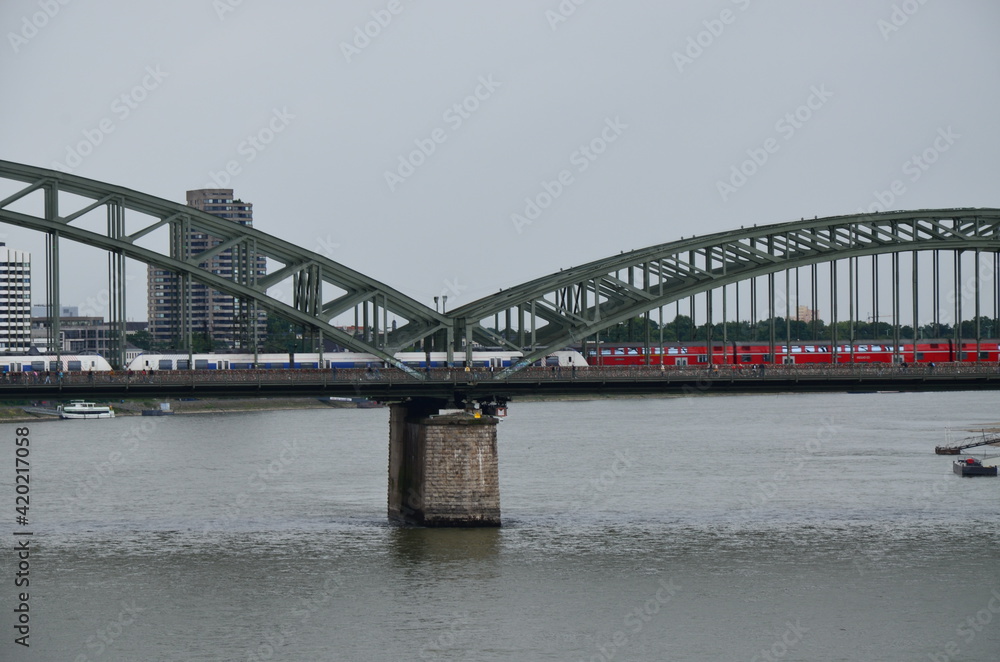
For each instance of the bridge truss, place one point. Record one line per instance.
(573, 305)
(537, 317)
(56, 203)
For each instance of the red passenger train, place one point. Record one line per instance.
(696, 353)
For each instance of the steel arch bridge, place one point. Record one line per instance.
(567, 307)
(372, 301)
(545, 314)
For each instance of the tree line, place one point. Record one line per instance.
(682, 328)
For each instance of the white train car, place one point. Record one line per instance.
(311, 360)
(53, 363)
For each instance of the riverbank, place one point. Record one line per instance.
(14, 411)
(11, 412)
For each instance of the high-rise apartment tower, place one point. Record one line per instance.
(220, 321)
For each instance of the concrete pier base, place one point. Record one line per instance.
(442, 469)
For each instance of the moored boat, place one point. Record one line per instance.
(164, 410)
(970, 466)
(82, 409)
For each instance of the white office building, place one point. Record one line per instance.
(15, 300)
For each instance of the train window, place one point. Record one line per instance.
(789, 360)
(74, 366)
(963, 356)
(55, 365)
(182, 364)
(766, 358)
(167, 364)
(702, 358)
(201, 364)
(935, 345)
(681, 361)
(920, 356)
(984, 356)
(746, 358)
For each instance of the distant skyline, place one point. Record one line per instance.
(456, 148)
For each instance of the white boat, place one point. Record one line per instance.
(81, 409)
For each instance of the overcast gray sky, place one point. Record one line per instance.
(627, 121)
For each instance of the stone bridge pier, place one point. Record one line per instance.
(442, 466)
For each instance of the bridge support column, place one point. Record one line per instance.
(442, 469)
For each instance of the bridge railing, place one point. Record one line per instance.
(458, 376)
(757, 372)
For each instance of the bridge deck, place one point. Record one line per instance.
(395, 385)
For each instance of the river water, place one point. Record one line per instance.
(792, 527)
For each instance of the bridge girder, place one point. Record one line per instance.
(307, 269)
(561, 309)
(576, 303)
